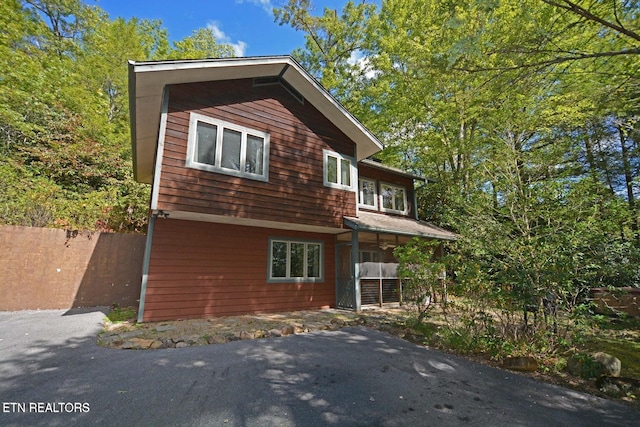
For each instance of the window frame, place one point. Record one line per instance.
(375, 194)
(381, 201)
(191, 161)
(352, 171)
(289, 278)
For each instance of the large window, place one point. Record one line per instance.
(295, 260)
(339, 171)
(367, 193)
(218, 146)
(394, 198)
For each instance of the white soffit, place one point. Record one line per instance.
(147, 81)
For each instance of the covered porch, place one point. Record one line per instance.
(366, 269)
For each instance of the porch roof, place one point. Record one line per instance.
(378, 223)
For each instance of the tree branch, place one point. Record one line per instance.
(580, 11)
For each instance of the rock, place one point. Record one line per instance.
(128, 345)
(520, 363)
(287, 330)
(130, 334)
(164, 328)
(618, 386)
(337, 323)
(156, 344)
(214, 340)
(610, 365)
(140, 343)
(275, 333)
(181, 344)
(259, 334)
(244, 335)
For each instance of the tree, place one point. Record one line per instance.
(200, 44)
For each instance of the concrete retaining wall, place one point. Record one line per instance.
(44, 268)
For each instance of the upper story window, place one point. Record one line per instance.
(218, 146)
(295, 260)
(339, 170)
(367, 193)
(393, 198)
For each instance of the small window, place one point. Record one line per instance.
(295, 261)
(222, 147)
(338, 171)
(367, 193)
(394, 198)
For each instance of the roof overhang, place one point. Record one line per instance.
(378, 223)
(147, 82)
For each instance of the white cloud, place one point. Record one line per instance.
(266, 5)
(239, 47)
(362, 62)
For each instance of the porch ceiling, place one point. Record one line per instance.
(377, 223)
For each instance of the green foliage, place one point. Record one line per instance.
(65, 147)
(421, 272)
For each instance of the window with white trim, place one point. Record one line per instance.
(339, 170)
(295, 260)
(218, 146)
(393, 198)
(367, 193)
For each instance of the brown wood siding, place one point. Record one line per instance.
(200, 270)
(295, 192)
(389, 177)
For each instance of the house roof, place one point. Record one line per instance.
(147, 82)
(378, 223)
(378, 165)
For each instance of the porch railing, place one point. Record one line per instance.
(379, 283)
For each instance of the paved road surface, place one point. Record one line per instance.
(353, 377)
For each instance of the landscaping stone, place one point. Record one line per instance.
(156, 344)
(244, 335)
(181, 344)
(131, 334)
(165, 328)
(610, 365)
(275, 333)
(618, 386)
(520, 363)
(287, 330)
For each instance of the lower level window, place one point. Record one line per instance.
(295, 260)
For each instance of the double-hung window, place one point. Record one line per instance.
(393, 198)
(218, 146)
(295, 260)
(367, 193)
(339, 171)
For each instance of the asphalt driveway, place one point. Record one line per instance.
(53, 373)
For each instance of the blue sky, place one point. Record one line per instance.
(248, 25)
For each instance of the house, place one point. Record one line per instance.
(263, 195)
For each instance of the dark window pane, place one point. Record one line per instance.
(313, 260)
(279, 259)
(206, 143)
(297, 259)
(332, 169)
(231, 141)
(345, 172)
(399, 194)
(368, 193)
(255, 155)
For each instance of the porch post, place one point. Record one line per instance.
(355, 261)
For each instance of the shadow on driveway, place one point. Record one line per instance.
(351, 377)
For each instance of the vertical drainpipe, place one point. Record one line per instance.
(154, 201)
(355, 259)
(415, 201)
(145, 266)
(355, 249)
